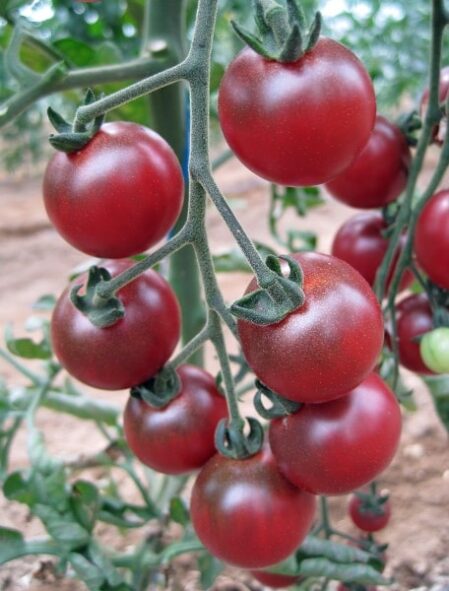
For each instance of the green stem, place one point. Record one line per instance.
(34, 378)
(325, 522)
(192, 346)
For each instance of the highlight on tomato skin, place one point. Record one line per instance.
(179, 437)
(345, 443)
(379, 173)
(130, 351)
(239, 508)
(305, 356)
(300, 123)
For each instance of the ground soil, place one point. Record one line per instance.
(35, 261)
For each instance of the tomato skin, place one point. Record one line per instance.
(339, 446)
(379, 173)
(298, 123)
(305, 356)
(434, 349)
(432, 239)
(359, 242)
(117, 196)
(246, 513)
(178, 438)
(369, 521)
(274, 580)
(413, 319)
(440, 129)
(130, 351)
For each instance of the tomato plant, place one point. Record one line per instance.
(369, 516)
(379, 173)
(434, 349)
(179, 437)
(305, 357)
(118, 195)
(298, 123)
(431, 242)
(361, 243)
(338, 446)
(414, 319)
(238, 510)
(130, 351)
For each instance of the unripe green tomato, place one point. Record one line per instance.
(434, 349)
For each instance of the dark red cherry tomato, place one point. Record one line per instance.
(324, 348)
(379, 173)
(274, 580)
(360, 242)
(246, 513)
(130, 351)
(432, 239)
(298, 123)
(366, 518)
(336, 447)
(439, 131)
(117, 196)
(179, 437)
(413, 319)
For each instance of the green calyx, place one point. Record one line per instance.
(231, 440)
(282, 34)
(280, 406)
(372, 504)
(67, 139)
(102, 312)
(161, 389)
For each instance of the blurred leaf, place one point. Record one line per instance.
(17, 488)
(336, 552)
(12, 544)
(27, 348)
(45, 303)
(91, 574)
(210, 567)
(62, 528)
(178, 511)
(85, 503)
(234, 260)
(439, 388)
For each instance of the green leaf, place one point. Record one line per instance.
(46, 303)
(234, 261)
(62, 528)
(350, 573)
(111, 575)
(439, 389)
(85, 503)
(12, 544)
(210, 567)
(17, 488)
(75, 51)
(178, 511)
(27, 348)
(336, 552)
(87, 572)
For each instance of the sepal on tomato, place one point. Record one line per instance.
(272, 303)
(161, 389)
(232, 442)
(102, 312)
(280, 406)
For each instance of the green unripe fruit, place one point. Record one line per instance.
(434, 348)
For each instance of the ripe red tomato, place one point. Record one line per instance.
(432, 239)
(179, 437)
(274, 580)
(360, 242)
(339, 446)
(324, 348)
(439, 130)
(246, 513)
(117, 196)
(130, 351)
(367, 518)
(299, 123)
(413, 319)
(379, 173)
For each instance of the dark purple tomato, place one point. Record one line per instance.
(360, 242)
(274, 580)
(299, 123)
(339, 446)
(432, 239)
(369, 519)
(179, 437)
(130, 351)
(246, 513)
(324, 348)
(379, 173)
(118, 195)
(413, 319)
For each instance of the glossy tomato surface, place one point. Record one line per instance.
(413, 319)
(130, 351)
(337, 447)
(369, 519)
(246, 513)
(117, 196)
(439, 131)
(324, 348)
(360, 242)
(179, 437)
(434, 349)
(274, 580)
(432, 239)
(299, 123)
(379, 173)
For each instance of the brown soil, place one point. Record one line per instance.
(34, 261)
